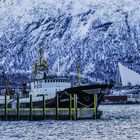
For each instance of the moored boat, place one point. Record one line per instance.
(49, 85)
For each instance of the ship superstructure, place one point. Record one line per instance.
(46, 83)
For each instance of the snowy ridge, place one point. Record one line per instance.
(106, 31)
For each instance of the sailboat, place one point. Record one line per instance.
(128, 90)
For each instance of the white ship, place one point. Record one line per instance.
(49, 85)
(44, 83)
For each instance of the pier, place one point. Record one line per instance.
(71, 104)
(43, 113)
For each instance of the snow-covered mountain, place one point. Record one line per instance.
(101, 32)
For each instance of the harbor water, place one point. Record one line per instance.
(119, 122)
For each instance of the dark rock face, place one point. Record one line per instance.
(100, 33)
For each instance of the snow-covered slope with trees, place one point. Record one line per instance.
(103, 32)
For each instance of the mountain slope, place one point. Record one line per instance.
(101, 33)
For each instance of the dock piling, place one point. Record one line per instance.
(70, 107)
(18, 108)
(95, 106)
(57, 106)
(44, 107)
(31, 108)
(5, 107)
(75, 106)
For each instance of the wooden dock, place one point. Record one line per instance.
(73, 109)
(43, 113)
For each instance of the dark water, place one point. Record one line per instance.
(119, 122)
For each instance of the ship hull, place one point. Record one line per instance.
(82, 101)
(85, 98)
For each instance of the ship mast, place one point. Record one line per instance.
(42, 65)
(41, 55)
(35, 69)
(78, 68)
(78, 75)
